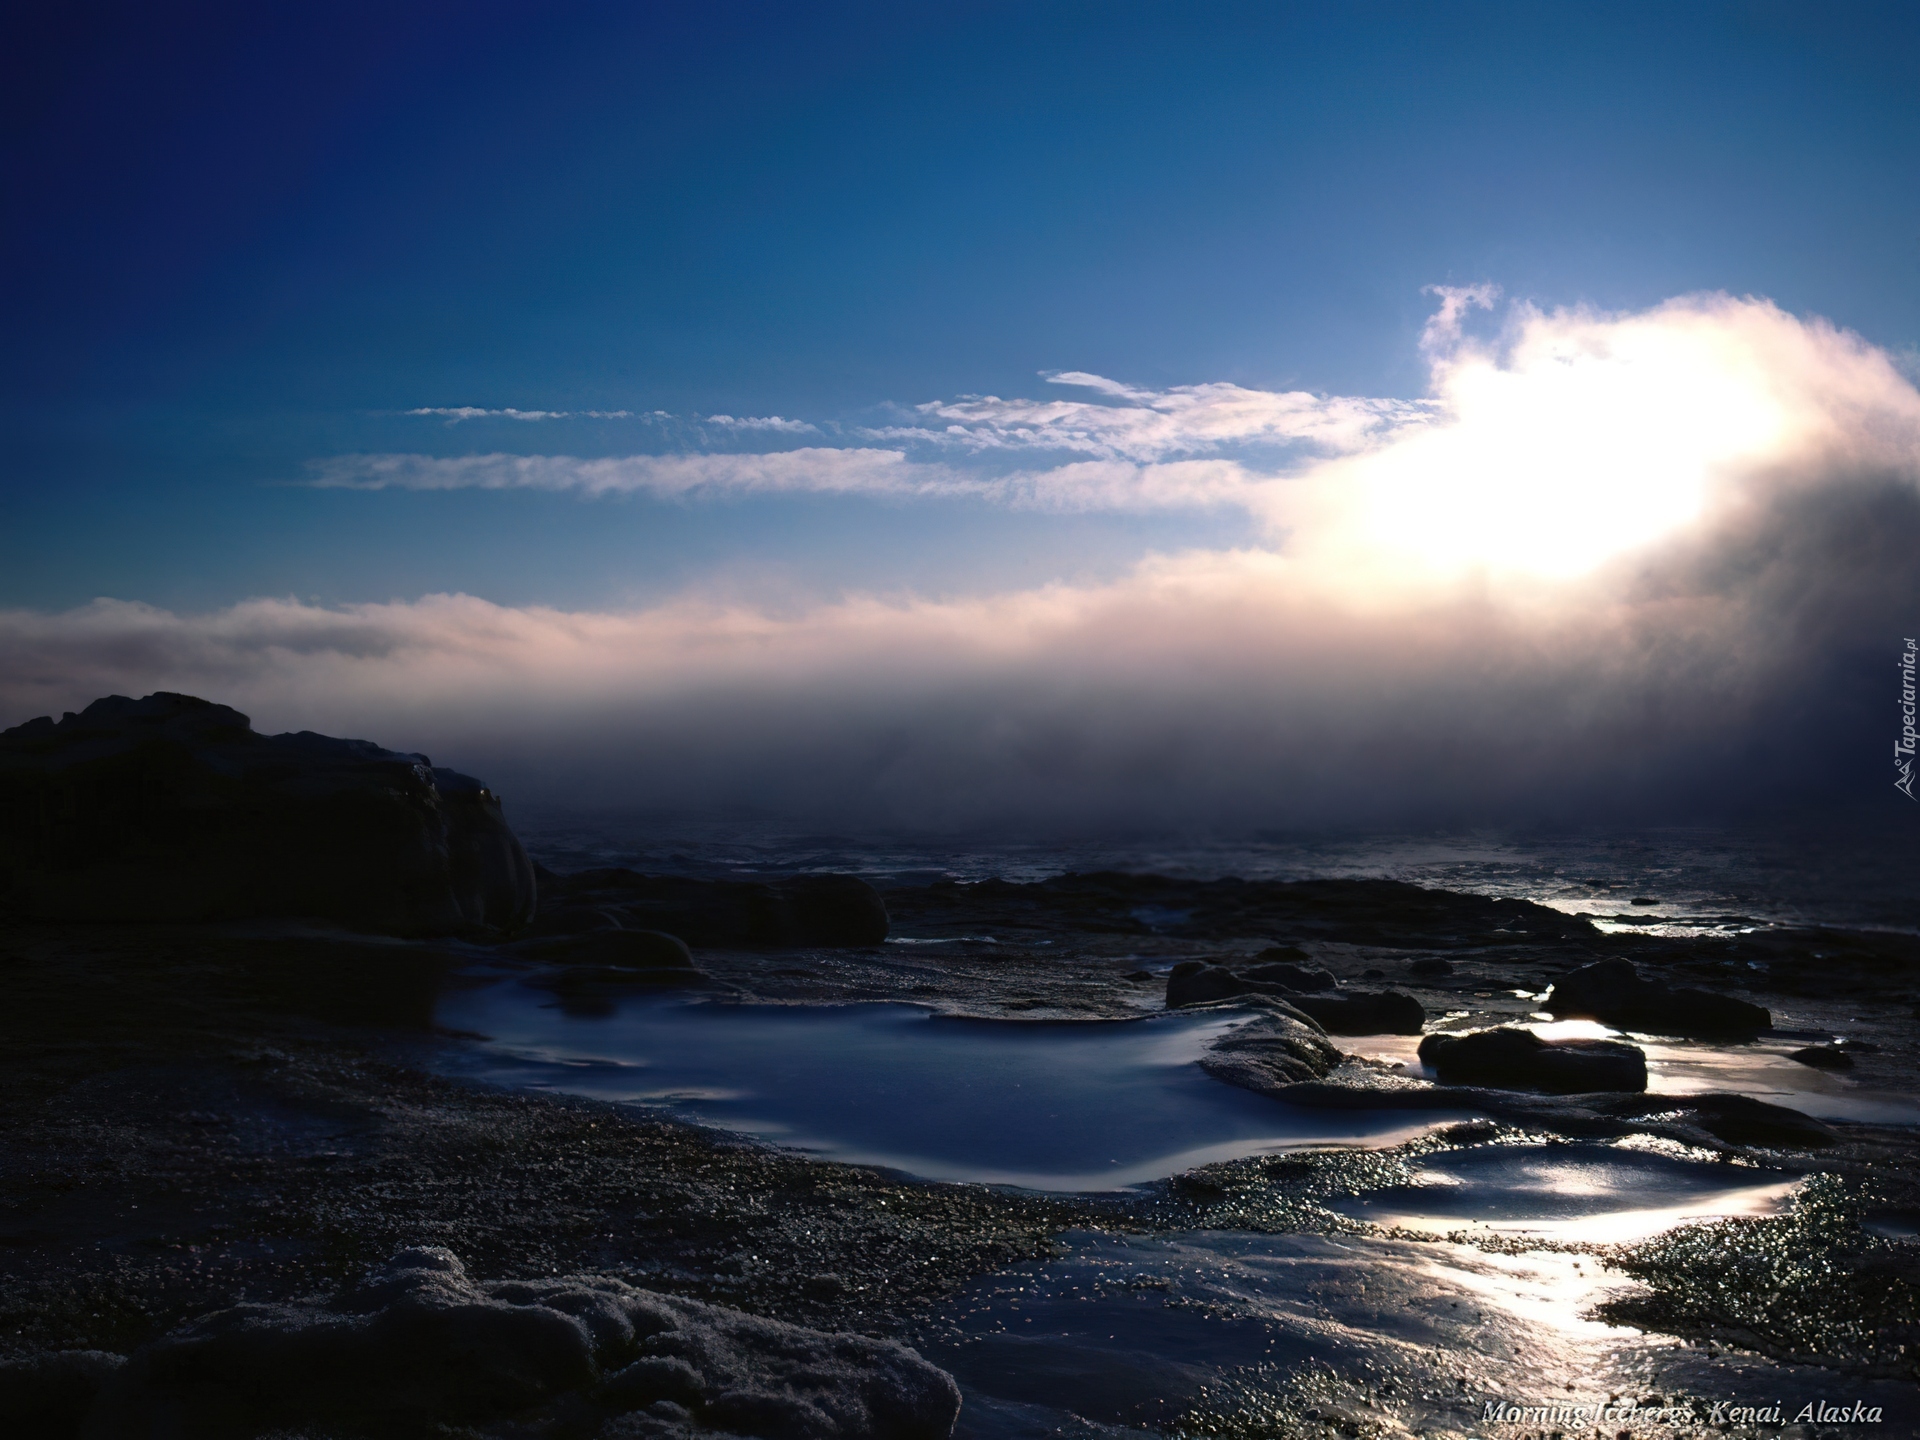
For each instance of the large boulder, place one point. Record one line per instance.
(420, 1348)
(1511, 1058)
(1614, 993)
(173, 808)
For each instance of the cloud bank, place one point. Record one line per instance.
(1644, 566)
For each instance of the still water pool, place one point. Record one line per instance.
(1048, 1105)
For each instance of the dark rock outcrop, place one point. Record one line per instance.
(1516, 1059)
(835, 910)
(1279, 1047)
(1614, 993)
(420, 1346)
(172, 808)
(1388, 1012)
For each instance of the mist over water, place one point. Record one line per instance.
(1620, 571)
(1857, 871)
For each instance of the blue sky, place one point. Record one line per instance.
(244, 238)
(1045, 414)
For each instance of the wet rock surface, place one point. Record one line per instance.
(1279, 1047)
(200, 1118)
(1514, 1058)
(1614, 992)
(1387, 1012)
(172, 808)
(1195, 982)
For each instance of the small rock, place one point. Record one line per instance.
(1511, 1058)
(1746, 1121)
(1283, 952)
(1614, 993)
(1429, 966)
(1281, 1047)
(1390, 1012)
(1823, 1057)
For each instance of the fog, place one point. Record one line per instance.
(1614, 568)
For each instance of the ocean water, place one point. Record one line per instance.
(1862, 872)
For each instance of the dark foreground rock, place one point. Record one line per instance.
(834, 910)
(172, 808)
(419, 1345)
(1512, 1058)
(1615, 993)
(1279, 1047)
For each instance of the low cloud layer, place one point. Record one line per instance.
(1641, 566)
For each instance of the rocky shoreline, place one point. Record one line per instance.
(202, 1115)
(238, 1199)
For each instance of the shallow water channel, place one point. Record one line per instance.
(1075, 1106)
(1423, 1326)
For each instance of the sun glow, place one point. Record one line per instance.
(1584, 439)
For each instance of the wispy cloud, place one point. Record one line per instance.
(763, 422)
(866, 471)
(1139, 424)
(1080, 486)
(454, 414)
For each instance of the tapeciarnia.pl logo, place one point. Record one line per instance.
(1903, 747)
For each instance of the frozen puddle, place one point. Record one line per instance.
(1047, 1105)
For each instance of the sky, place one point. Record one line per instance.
(961, 412)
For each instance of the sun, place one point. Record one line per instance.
(1582, 443)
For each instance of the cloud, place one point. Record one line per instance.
(454, 414)
(867, 471)
(1145, 425)
(1645, 566)
(763, 422)
(1080, 486)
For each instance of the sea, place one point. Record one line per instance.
(1851, 871)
